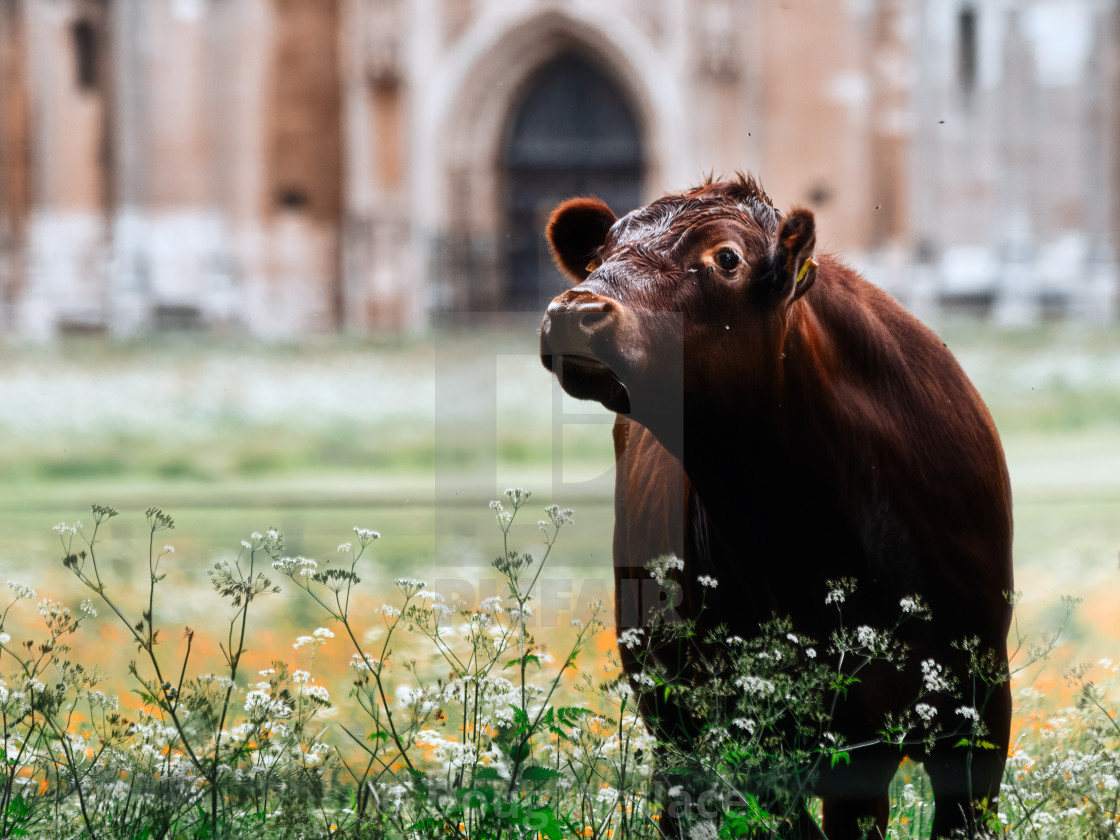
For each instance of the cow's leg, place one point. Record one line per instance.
(856, 799)
(964, 788)
(846, 818)
(966, 780)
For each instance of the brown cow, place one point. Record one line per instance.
(784, 423)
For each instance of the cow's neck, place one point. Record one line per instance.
(754, 456)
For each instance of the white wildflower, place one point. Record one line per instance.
(364, 663)
(296, 566)
(926, 712)
(21, 590)
(389, 611)
(968, 712)
(867, 637)
(755, 685)
(366, 536)
(933, 676)
(705, 580)
(317, 692)
(660, 567)
(630, 638)
(607, 794)
(559, 517)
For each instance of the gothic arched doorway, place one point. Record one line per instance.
(573, 132)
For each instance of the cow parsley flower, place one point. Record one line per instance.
(364, 663)
(389, 611)
(867, 637)
(366, 536)
(317, 692)
(705, 830)
(295, 566)
(607, 794)
(926, 712)
(409, 586)
(491, 605)
(630, 638)
(660, 567)
(559, 516)
(933, 677)
(21, 590)
(705, 580)
(756, 686)
(968, 712)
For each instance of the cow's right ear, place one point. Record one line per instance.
(577, 230)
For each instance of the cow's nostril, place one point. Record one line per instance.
(588, 320)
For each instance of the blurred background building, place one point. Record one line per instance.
(293, 166)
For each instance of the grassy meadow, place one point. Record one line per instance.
(413, 436)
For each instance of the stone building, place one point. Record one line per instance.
(290, 166)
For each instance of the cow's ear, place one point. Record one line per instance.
(576, 231)
(794, 264)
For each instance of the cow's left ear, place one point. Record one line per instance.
(794, 265)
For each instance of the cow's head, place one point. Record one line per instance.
(675, 302)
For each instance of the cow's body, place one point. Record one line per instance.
(779, 437)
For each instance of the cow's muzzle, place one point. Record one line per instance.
(577, 328)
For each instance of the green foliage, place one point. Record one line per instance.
(475, 742)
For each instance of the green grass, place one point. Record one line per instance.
(411, 434)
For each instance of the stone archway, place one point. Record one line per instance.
(572, 132)
(464, 129)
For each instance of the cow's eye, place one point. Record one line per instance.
(727, 259)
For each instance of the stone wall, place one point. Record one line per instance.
(291, 166)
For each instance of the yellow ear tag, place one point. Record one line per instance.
(805, 266)
(591, 266)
